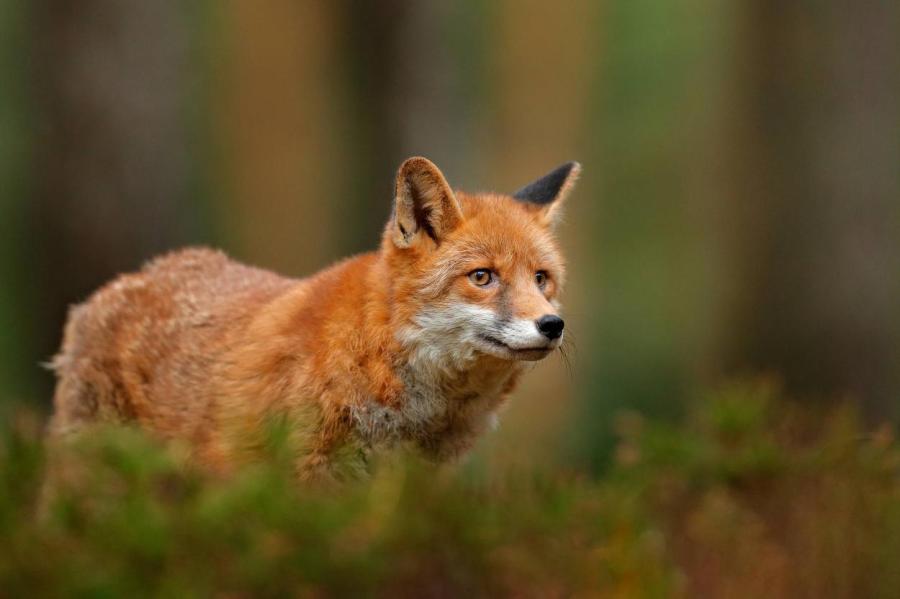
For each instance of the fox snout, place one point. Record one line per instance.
(523, 339)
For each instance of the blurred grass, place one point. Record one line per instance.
(750, 496)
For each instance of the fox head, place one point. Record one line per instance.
(476, 274)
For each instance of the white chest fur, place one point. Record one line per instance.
(443, 408)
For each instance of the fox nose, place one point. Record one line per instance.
(550, 325)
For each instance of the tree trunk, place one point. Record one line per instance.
(110, 163)
(819, 188)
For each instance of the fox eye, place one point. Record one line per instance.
(540, 277)
(481, 276)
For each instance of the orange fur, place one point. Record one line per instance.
(199, 348)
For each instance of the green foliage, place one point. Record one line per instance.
(751, 496)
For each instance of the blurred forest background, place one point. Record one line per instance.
(739, 211)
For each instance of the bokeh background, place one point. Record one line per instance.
(739, 210)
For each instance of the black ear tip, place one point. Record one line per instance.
(547, 188)
(568, 169)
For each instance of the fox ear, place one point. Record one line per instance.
(547, 194)
(424, 204)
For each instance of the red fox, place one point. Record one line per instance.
(417, 343)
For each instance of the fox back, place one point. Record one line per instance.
(419, 342)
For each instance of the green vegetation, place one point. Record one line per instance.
(751, 496)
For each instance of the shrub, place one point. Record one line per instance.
(750, 497)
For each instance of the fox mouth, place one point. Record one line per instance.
(524, 352)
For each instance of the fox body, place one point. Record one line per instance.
(419, 342)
